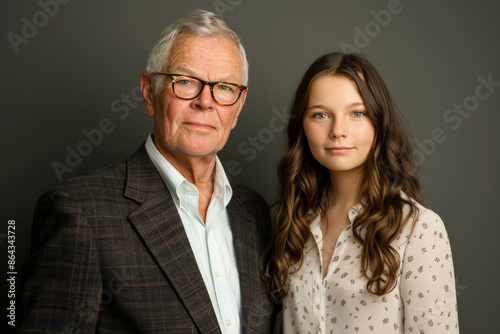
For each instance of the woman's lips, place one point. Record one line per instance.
(339, 149)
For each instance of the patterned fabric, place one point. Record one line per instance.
(423, 301)
(110, 255)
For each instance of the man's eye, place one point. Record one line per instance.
(184, 82)
(225, 88)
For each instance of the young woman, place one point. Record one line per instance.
(354, 251)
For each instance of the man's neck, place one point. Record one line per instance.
(198, 170)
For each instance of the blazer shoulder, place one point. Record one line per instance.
(106, 177)
(112, 177)
(243, 193)
(249, 203)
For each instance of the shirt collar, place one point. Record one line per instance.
(353, 212)
(174, 180)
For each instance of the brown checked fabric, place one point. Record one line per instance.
(110, 255)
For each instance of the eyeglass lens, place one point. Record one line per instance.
(189, 88)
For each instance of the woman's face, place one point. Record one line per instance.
(339, 131)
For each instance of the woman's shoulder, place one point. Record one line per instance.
(424, 221)
(420, 211)
(423, 213)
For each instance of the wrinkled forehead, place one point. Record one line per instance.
(217, 55)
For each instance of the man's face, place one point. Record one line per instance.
(200, 126)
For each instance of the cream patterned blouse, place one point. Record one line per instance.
(424, 300)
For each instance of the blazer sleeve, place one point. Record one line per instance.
(61, 286)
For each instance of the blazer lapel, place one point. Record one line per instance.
(247, 256)
(160, 226)
(250, 236)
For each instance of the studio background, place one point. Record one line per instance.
(71, 69)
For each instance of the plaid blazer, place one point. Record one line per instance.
(110, 255)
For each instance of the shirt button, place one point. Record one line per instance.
(228, 322)
(217, 274)
(187, 187)
(178, 202)
(320, 331)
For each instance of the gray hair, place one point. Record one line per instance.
(199, 22)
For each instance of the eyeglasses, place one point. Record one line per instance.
(187, 88)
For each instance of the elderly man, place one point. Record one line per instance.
(163, 242)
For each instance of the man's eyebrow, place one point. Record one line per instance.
(184, 70)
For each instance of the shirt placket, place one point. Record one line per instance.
(218, 269)
(318, 298)
(334, 263)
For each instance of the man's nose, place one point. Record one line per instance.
(204, 101)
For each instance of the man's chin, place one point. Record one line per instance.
(199, 151)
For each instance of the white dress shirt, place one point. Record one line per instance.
(212, 241)
(423, 301)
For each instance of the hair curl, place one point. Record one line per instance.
(388, 177)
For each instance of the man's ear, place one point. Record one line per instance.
(241, 102)
(147, 92)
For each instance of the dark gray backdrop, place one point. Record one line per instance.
(71, 68)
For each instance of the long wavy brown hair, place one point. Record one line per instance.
(389, 171)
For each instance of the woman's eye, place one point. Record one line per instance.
(320, 115)
(358, 114)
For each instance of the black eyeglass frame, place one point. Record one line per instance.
(203, 84)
